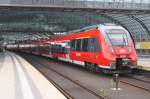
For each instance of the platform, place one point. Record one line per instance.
(20, 80)
(144, 63)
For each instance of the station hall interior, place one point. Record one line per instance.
(44, 53)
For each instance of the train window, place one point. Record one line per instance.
(84, 44)
(90, 46)
(78, 45)
(50, 46)
(57, 48)
(93, 45)
(96, 45)
(53, 48)
(72, 44)
(118, 39)
(87, 44)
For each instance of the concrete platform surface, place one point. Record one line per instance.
(144, 63)
(20, 80)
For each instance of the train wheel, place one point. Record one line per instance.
(90, 66)
(87, 65)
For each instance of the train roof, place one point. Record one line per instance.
(91, 27)
(83, 29)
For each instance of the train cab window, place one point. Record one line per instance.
(78, 45)
(117, 37)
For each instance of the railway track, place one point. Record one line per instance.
(124, 80)
(140, 78)
(137, 81)
(65, 77)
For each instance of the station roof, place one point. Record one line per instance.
(27, 22)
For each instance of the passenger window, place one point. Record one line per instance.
(93, 45)
(78, 45)
(51, 48)
(87, 44)
(72, 44)
(84, 44)
(90, 44)
(96, 45)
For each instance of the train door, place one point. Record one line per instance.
(67, 48)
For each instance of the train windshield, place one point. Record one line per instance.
(118, 38)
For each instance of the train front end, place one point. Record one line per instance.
(119, 49)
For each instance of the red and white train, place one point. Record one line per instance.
(105, 47)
